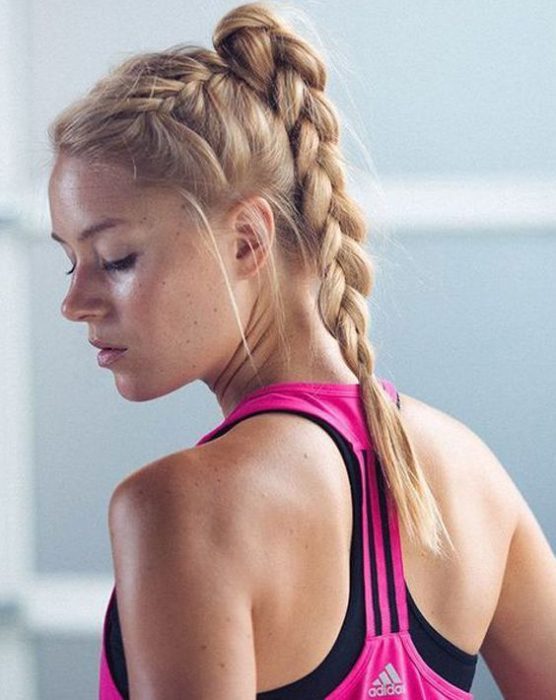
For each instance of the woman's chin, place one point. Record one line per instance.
(133, 387)
(134, 391)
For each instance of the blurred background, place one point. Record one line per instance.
(449, 121)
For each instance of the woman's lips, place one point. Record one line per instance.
(109, 355)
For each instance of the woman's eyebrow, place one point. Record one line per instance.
(92, 230)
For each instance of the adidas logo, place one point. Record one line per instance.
(387, 684)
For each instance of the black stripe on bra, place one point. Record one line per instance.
(394, 620)
(372, 553)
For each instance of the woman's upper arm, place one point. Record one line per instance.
(182, 567)
(520, 644)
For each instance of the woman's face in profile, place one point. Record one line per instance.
(140, 279)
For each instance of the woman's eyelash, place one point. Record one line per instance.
(117, 265)
(123, 264)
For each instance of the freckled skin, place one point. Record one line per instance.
(172, 309)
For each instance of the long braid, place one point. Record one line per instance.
(289, 74)
(251, 117)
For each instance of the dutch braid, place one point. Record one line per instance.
(252, 117)
(283, 69)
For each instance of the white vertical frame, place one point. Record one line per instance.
(13, 107)
(17, 676)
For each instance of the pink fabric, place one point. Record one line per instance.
(389, 664)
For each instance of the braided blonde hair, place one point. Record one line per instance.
(251, 117)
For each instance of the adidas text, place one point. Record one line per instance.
(386, 691)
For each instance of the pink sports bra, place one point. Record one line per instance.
(385, 647)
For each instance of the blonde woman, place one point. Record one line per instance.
(331, 537)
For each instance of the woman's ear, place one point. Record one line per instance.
(251, 222)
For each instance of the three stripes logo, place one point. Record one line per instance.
(387, 684)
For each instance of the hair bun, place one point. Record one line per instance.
(255, 42)
(243, 38)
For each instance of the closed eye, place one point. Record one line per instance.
(123, 264)
(116, 266)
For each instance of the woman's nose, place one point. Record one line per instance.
(83, 299)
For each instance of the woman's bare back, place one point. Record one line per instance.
(308, 524)
(269, 501)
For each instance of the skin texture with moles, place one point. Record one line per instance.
(171, 309)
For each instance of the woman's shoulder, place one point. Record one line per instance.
(495, 529)
(461, 468)
(478, 500)
(479, 504)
